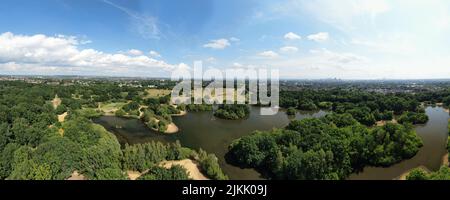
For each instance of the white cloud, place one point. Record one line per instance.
(319, 37)
(268, 54)
(135, 52)
(183, 66)
(234, 39)
(217, 44)
(40, 53)
(154, 54)
(292, 36)
(237, 65)
(288, 49)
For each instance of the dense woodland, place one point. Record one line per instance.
(34, 145)
(331, 147)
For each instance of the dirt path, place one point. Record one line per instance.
(182, 113)
(445, 160)
(190, 165)
(62, 117)
(76, 177)
(383, 122)
(171, 128)
(56, 102)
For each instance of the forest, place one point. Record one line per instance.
(331, 147)
(232, 112)
(36, 145)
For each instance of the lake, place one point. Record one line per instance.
(203, 130)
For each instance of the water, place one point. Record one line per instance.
(203, 130)
(434, 136)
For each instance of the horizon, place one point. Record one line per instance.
(313, 40)
(168, 78)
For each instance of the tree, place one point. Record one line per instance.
(209, 164)
(176, 172)
(110, 174)
(413, 118)
(6, 161)
(291, 111)
(307, 105)
(232, 112)
(61, 109)
(417, 174)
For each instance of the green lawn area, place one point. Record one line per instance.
(153, 93)
(111, 107)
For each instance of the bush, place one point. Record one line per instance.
(291, 111)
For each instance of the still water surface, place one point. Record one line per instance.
(203, 130)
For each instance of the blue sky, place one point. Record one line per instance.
(308, 39)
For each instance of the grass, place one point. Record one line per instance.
(111, 107)
(153, 93)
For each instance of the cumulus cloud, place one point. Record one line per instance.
(217, 44)
(135, 52)
(268, 54)
(292, 36)
(288, 49)
(154, 54)
(40, 52)
(319, 37)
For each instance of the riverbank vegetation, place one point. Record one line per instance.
(232, 112)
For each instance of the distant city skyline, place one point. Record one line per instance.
(304, 39)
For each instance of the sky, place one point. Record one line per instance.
(303, 39)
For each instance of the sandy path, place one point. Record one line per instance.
(76, 177)
(191, 167)
(62, 117)
(171, 128)
(56, 102)
(182, 113)
(383, 122)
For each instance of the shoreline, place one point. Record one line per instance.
(182, 113)
(445, 160)
(191, 166)
(402, 177)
